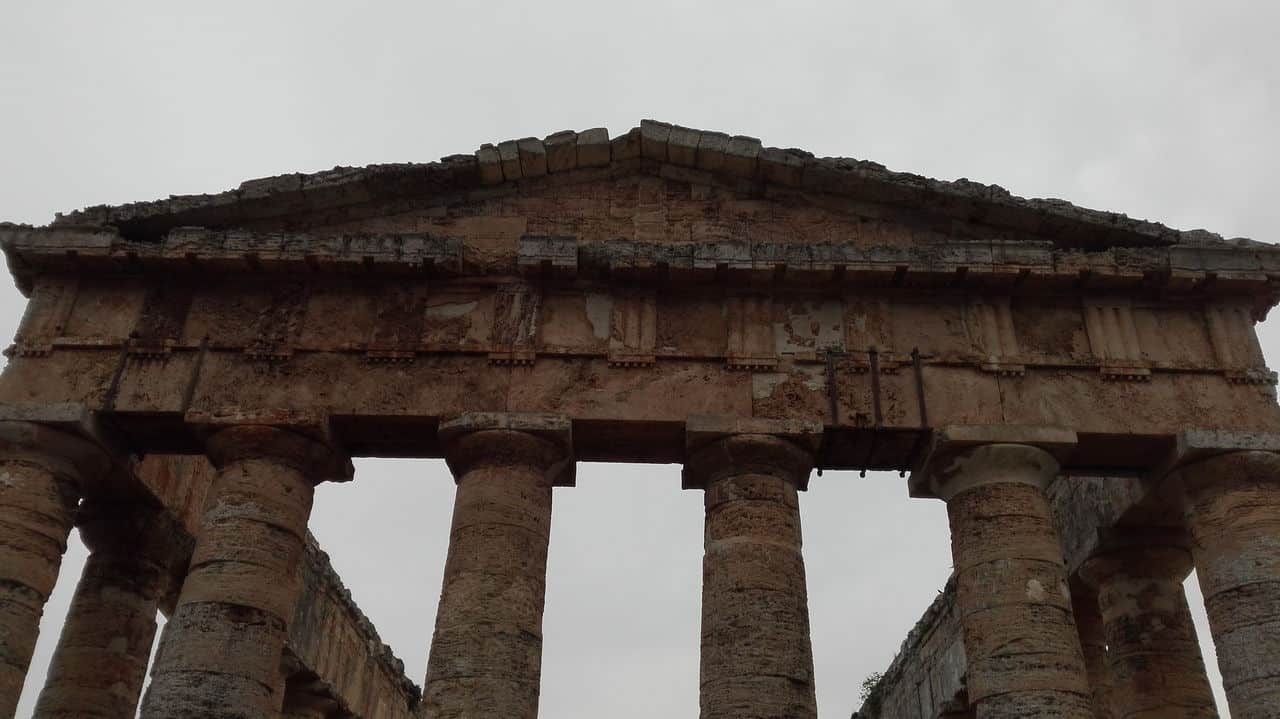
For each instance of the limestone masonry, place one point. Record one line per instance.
(1085, 391)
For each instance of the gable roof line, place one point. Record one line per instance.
(737, 158)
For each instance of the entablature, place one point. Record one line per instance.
(934, 261)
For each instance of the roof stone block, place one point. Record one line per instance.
(626, 146)
(682, 146)
(533, 157)
(653, 139)
(593, 147)
(509, 151)
(490, 165)
(711, 149)
(785, 167)
(562, 151)
(740, 156)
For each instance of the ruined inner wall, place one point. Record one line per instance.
(927, 676)
(332, 648)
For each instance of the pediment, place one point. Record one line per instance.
(659, 200)
(657, 167)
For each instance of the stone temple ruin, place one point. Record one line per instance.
(1084, 391)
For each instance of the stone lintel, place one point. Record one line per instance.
(307, 422)
(703, 430)
(556, 428)
(951, 440)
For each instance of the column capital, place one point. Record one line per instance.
(717, 446)
(56, 450)
(318, 460)
(1193, 448)
(1139, 552)
(131, 526)
(541, 439)
(964, 456)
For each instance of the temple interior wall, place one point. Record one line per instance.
(331, 643)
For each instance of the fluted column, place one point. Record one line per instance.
(1024, 656)
(100, 663)
(486, 653)
(757, 657)
(1153, 652)
(42, 474)
(220, 654)
(1093, 643)
(1233, 513)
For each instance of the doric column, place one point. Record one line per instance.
(42, 473)
(1093, 643)
(1233, 513)
(757, 659)
(1153, 652)
(1024, 657)
(219, 657)
(100, 663)
(486, 654)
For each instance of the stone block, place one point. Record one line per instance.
(784, 167)
(542, 254)
(533, 157)
(562, 151)
(490, 165)
(653, 139)
(509, 153)
(711, 149)
(740, 156)
(626, 146)
(703, 429)
(682, 146)
(593, 147)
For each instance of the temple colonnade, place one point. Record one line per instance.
(1115, 642)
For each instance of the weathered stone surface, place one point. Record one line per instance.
(757, 660)
(631, 286)
(562, 151)
(533, 157)
(42, 472)
(486, 653)
(593, 147)
(1024, 656)
(221, 650)
(490, 165)
(1233, 513)
(682, 146)
(653, 139)
(1093, 643)
(101, 659)
(1152, 648)
(928, 674)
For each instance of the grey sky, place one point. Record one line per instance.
(1165, 110)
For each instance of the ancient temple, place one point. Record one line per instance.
(1084, 391)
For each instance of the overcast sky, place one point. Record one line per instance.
(1164, 110)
